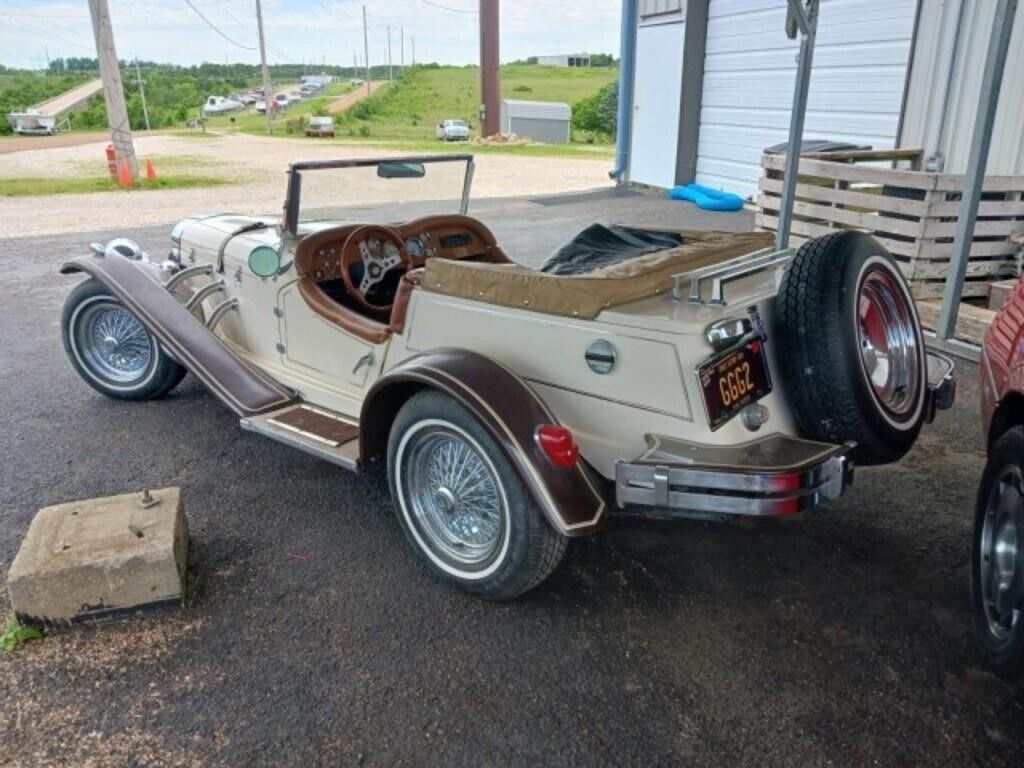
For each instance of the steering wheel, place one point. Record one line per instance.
(369, 255)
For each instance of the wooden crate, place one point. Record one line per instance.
(913, 213)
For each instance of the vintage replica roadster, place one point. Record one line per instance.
(679, 374)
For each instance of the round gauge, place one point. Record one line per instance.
(415, 247)
(390, 250)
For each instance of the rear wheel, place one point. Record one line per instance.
(111, 350)
(997, 566)
(461, 504)
(850, 347)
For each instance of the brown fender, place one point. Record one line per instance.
(510, 412)
(241, 387)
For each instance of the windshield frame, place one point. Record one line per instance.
(293, 195)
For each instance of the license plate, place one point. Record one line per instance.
(733, 380)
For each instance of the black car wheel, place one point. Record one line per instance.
(997, 566)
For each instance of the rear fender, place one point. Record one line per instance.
(509, 410)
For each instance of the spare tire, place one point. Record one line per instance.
(850, 347)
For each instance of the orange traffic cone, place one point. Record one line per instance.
(150, 171)
(124, 175)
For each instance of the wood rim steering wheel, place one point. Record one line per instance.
(377, 260)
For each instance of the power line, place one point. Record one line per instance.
(216, 29)
(448, 8)
(46, 33)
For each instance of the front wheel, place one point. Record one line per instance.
(997, 566)
(461, 504)
(111, 350)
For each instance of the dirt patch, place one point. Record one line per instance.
(354, 97)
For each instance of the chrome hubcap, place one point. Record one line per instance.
(1002, 554)
(454, 494)
(888, 343)
(113, 343)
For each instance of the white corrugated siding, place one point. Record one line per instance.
(536, 110)
(860, 66)
(928, 81)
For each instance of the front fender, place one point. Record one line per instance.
(510, 412)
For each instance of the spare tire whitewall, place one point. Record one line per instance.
(850, 347)
(892, 352)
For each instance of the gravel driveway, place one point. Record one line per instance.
(316, 639)
(258, 164)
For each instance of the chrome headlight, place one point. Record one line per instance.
(124, 247)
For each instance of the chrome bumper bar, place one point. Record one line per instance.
(941, 392)
(772, 476)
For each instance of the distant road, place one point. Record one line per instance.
(354, 97)
(68, 100)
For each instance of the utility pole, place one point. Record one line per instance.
(414, 50)
(390, 73)
(490, 71)
(142, 92)
(268, 97)
(402, 28)
(113, 88)
(366, 52)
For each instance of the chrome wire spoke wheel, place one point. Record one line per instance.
(888, 341)
(113, 344)
(1002, 555)
(453, 495)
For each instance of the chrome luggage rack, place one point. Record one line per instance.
(726, 272)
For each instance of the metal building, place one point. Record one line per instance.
(547, 121)
(565, 60)
(711, 84)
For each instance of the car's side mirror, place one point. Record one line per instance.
(401, 170)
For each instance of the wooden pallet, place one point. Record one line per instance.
(912, 213)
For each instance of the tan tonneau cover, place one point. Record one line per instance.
(512, 285)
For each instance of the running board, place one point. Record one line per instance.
(317, 431)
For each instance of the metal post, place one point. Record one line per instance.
(988, 100)
(366, 53)
(268, 97)
(804, 18)
(142, 92)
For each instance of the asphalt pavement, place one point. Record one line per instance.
(313, 636)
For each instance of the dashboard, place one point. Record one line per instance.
(446, 237)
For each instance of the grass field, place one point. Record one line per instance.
(411, 108)
(25, 187)
(404, 115)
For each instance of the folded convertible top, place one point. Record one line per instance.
(586, 295)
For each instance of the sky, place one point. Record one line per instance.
(306, 31)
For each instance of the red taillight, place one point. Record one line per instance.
(558, 445)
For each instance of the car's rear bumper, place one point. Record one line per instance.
(771, 476)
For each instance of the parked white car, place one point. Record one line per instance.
(453, 130)
(671, 374)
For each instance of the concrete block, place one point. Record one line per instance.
(97, 557)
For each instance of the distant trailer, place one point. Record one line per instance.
(45, 118)
(547, 121)
(33, 122)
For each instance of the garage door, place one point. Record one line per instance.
(657, 86)
(860, 65)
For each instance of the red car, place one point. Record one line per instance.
(997, 567)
